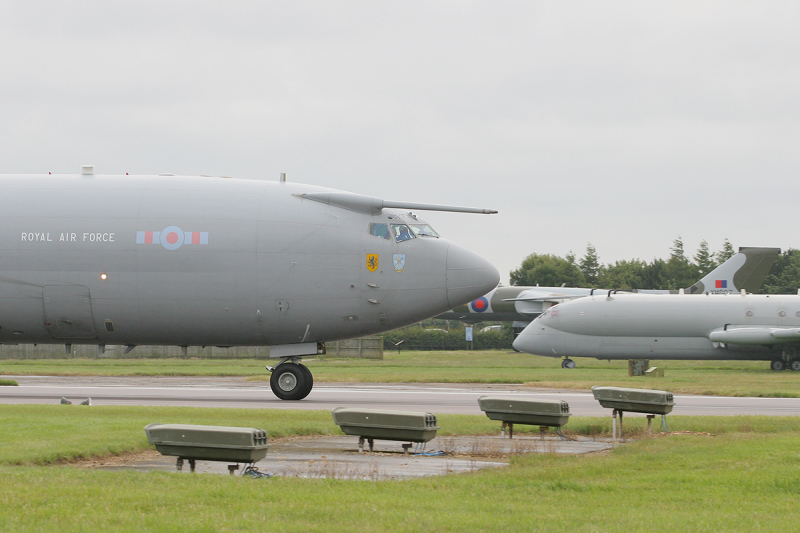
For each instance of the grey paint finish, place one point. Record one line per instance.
(68, 312)
(240, 262)
(627, 326)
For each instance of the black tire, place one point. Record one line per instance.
(794, 364)
(778, 365)
(309, 381)
(568, 363)
(288, 382)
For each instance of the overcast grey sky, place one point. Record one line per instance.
(621, 124)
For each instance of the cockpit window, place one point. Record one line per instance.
(401, 232)
(423, 230)
(379, 230)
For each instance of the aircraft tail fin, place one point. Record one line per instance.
(744, 270)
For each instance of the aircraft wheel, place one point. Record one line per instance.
(568, 363)
(288, 382)
(778, 365)
(794, 364)
(309, 380)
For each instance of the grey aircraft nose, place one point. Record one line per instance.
(526, 342)
(469, 276)
(539, 339)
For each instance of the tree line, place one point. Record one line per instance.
(676, 272)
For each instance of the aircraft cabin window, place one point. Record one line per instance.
(401, 232)
(423, 230)
(379, 230)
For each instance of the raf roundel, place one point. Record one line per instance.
(480, 305)
(172, 237)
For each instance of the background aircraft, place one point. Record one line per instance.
(201, 261)
(744, 270)
(670, 326)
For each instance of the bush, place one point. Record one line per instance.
(419, 338)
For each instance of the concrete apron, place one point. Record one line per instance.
(338, 457)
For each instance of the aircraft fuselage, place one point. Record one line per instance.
(178, 260)
(627, 326)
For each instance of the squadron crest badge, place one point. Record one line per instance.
(399, 262)
(372, 262)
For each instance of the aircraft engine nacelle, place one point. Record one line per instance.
(754, 335)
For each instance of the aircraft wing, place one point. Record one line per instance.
(555, 297)
(755, 335)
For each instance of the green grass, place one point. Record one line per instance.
(725, 378)
(78, 432)
(46, 434)
(49, 434)
(7, 383)
(742, 474)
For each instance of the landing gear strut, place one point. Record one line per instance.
(567, 363)
(291, 381)
(790, 358)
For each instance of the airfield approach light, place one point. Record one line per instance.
(509, 410)
(208, 443)
(652, 402)
(378, 424)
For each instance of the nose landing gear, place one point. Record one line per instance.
(568, 363)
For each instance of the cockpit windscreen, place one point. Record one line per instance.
(402, 228)
(423, 230)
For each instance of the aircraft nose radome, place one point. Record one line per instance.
(524, 342)
(539, 340)
(469, 276)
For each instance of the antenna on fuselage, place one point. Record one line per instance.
(283, 177)
(373, 206)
